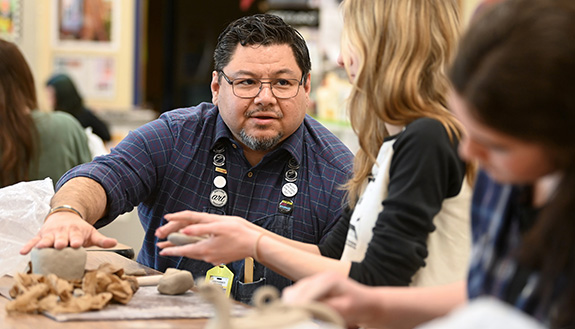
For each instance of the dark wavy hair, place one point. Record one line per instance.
(18, 133)
(260, 29)
(516, 70)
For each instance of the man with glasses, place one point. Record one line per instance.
(253, 153)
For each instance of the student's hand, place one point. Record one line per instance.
(229, 238)
(344, 295)
(63, 229)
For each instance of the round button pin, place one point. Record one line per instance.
(219, 160)
(290, 175)
(218, 198)
(219, 148)
(220, 181)
(289, 190)
(285, 206)
(292, 163)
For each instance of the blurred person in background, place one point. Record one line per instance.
(64, 96)
(33, 144)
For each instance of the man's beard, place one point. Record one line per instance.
(260, 144)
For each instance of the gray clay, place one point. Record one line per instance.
(180, 239)
(68, 263)
(175, 282)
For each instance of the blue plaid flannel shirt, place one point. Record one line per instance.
(496, 239)
(166, 166)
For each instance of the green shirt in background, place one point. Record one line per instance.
(63, 145)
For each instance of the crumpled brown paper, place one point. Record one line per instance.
(39, 293)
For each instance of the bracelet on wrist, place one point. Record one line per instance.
(256, 256)
(65, 208)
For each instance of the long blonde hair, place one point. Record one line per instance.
(403, 48)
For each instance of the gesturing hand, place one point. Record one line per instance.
(229, 239)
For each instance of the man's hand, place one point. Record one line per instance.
(63, 229)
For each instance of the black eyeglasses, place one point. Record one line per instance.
(251, 87)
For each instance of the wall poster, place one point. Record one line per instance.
(86, 24)
(93, 75)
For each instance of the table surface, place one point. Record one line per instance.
(95, 258)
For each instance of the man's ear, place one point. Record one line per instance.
(307, 89)
(307, 84)
(215, 86)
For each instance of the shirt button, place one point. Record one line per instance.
(250, 174)
(234, 146)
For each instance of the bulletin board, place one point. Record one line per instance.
(10, 16)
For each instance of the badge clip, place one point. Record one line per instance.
(222, 277)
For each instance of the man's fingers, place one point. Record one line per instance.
(108, 243)
(76, 239)
(29, 245)
(46, 241)
(62, 239)
(102, 241)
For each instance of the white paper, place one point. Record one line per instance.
(23, 207)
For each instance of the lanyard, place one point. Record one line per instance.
(219, 195)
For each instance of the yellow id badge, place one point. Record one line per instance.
(221, 276)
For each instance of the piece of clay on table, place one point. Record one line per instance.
(175, 282)
(68, 263)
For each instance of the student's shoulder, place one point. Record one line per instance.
(425, 132)
(57, 119)
(425, 126)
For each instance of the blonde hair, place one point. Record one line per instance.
(403, 48)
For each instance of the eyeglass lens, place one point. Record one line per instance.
(281, 88)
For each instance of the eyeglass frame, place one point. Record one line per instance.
(231, 82)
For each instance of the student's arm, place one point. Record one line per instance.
(296, 263)
(377, 307)
(233, 238)
(65, 228)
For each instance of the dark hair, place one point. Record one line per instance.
(516, 70)
(67, 98)
(260, 29)
(18, 133)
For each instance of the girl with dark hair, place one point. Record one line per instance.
(33, 144)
